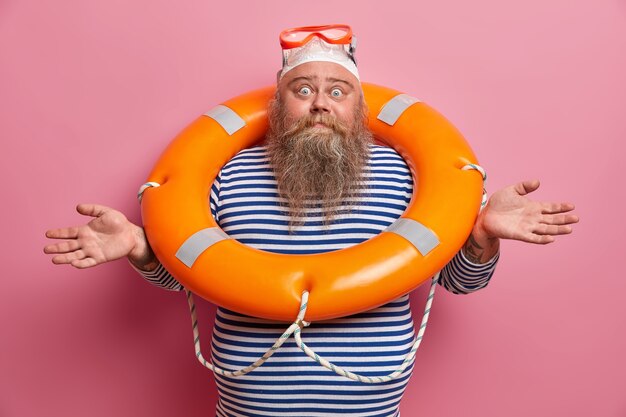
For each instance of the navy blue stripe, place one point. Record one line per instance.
(255, 184)
(310, 391)
(314, 344)
(361, 199)
(301, 232)
(251, 178)
(275, 222)
(393, 413)
(259, 241)
(392, 304)
(244, 171)
(244, 204)
(298, 354)
(297, 381)
(291, 399)
(262, 373)
(332, 411)
(370, 173)
(378, 165)
(314, 334)
(306, 362)
(236, 163)
(328, 325)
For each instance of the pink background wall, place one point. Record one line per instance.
(91, 93)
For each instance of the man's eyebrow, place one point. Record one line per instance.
(302, 77)
(315, 78)
(339, 80)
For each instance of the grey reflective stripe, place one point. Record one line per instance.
(415, 232)
(227, 118)
(198, 243)
(394, 108)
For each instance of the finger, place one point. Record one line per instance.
(67, 258)
(550, 229)
(559, 219)
(63, 233)
(526, 187)
(554, 208)
(84, 263)
(93, 210)
(538, 239)
(62, 247)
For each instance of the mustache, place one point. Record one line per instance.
(310, 121)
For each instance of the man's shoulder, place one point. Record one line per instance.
(250, 157)
(253, 152)
(381, 153)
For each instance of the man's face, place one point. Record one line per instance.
(322, 89)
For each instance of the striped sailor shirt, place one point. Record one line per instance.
(246, 205)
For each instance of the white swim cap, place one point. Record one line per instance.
(318, 50)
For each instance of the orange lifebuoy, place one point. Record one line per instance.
(188, 242)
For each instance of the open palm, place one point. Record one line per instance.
(107, 237)
(511, 215)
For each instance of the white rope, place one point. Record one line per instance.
(144, 187)
(408, 360)
(480, 169)
(251, 367)
(296, 328)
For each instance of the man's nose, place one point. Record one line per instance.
(320, 104)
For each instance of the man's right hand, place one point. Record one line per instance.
(109, 236)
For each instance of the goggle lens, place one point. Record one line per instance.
(331, 33)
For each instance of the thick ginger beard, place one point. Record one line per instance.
(319, 167)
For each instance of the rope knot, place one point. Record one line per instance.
(302, 324)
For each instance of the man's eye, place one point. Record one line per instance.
(305, 91)
(335, 92)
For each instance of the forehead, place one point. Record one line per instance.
(320, 72)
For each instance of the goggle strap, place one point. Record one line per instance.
(352, 49)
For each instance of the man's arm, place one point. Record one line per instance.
(509, 214)
(142, 257)
(479, 248)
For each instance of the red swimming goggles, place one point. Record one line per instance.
(335, 34)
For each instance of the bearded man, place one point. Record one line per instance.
(318, 183)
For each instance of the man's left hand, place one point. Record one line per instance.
(510, 214)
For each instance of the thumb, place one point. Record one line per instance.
(93, 210)
(526, 187)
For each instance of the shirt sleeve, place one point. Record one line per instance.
(160, 276)
(460, 276)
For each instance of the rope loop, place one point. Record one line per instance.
(144, 187)
(483, 173)
(477, 168)
(296, 329)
